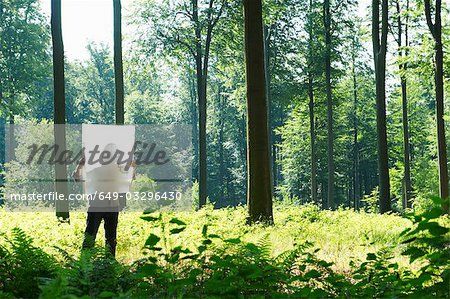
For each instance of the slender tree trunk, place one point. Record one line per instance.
(59, 102)
(355, 133)
(221, 144)
(202, 163)
(243, 152)
(436, 30)
(312, 130)
(201, 95)
(2, 129)
(118, 65)
(330, 135)
(11, 132)
(194, 121)
(443, 166)
(273, 156)
(380, 48)
(4, 150)
(407, 176)
(406, 198)
(259, 196)
(312, 120)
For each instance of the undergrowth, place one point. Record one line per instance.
(182, 258)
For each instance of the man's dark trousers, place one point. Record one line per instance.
(92, 225)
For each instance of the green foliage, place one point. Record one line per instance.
(187, 256)
(371, 201)
(426, 245)
(93, 275)
(24, 58)
(24, 267)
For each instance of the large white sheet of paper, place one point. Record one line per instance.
(109, 177)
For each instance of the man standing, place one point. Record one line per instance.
(106, 188)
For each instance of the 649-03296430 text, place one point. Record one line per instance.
(129, 196)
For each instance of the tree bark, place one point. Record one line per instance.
(312, 130)
(330, 134)
(380, 48)
(406, 198)
(272, 141)
(436, 31)
(59, 101)
(118, 64)
(194, 121)
(259, 196)
(312, 120)
(201, 92)
(356, 191)
(221, 144)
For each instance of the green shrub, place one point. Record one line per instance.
(24, 267)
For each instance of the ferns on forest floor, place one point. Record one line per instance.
(200, 256)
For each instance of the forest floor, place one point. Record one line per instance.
(342, 236)
(307, 253)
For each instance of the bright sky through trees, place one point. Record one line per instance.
(84, 21)
(92, 20)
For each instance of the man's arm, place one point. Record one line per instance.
(133, 165)
(78, 173)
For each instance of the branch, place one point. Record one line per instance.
(384, 25)
(211, 24)
(219, 14)
(393, 33)
(376, 26)
(177, 40)
(430, 24)
(336, 9)
(185, 13)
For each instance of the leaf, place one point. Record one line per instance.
(201, 248)
(312, 274)
(177, 230)
(405, 231)
(409, 240)
(177, 221)
(252, 247)
(233, 241)
(149, 218)
(371, 257)
(106, 294)
(438, 230)
(147, 270)
(152, 240)
(434, 213)
(413, 253)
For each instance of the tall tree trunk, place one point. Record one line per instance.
(201, 94)
(436, 30)
(243, 152)
(380, 48)
(11, 132)
(273, 156)
(118, 65)
(312, 130)
(330, 134)
(221, 145)
(312, 120)
(406, 198)
(59, 102)
(355, 132)
(259, 196)
(2, 120)
(194, 121)
(406, 156)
